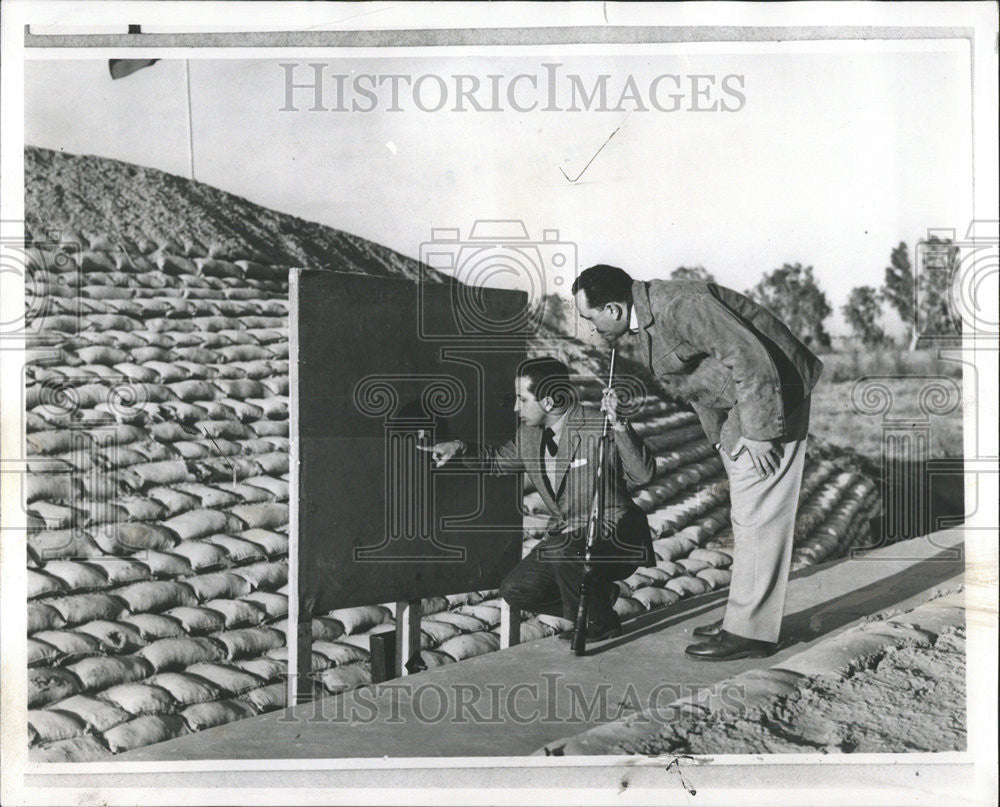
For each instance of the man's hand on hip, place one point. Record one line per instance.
(442, 452)
(764, 454)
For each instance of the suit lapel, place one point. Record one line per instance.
(567, 447)
(536, 467)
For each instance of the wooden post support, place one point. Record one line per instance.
(300, 657)
(383, 656)
(407, 633)
(510, 625)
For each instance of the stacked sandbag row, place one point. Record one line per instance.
(847, 506)
(156, 494)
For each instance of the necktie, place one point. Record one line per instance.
(549, 441)
(549, 449)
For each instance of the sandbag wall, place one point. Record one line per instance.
(157, 501)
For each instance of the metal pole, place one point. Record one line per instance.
(593, 533)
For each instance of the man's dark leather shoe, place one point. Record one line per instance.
(705, 631)
(727, 646)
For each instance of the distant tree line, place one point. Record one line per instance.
(792, 293)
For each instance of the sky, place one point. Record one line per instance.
(825, 154)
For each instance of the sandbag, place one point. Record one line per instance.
(339, 653)
(77, 749)
(197, 619)
(95, 714)
(153, 627)
(470, 644)
(342, 679)
(716, 578)
(261, 516)
(144, 731)
(657, 576)
(41, 584)
(276, 463)
(692, 566)
(42, 654)
(78, 608)
(237, 613)
(53, 487)
(651, 597)
(268, 575)
(146, 475)
(267, 698)
(218, 585)
(275, 605)
(267, 669)
(627, 607)
(48, 684)
(70, 644)
(155, 596)
(56, 544)
(490, 614)
(247, 642)
(673, 548)
(532, 629)
(273, 543)
(468, 598)
(211, 498)
(138, 699)
(112, 637)
(433, 633)
(202, 555)
(362, 618)
(180, 652)
(125, 538)
(686, 585)
(120, 571)
(186, 688)
(100, 672)
(48, 725)
(464, 622)
(166, 564)
(200, 523)
(229, 678)
(713, 557)
(201, 716)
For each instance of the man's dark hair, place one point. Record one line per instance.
(548, 376)
(603, 284)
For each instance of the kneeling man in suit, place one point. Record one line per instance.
(557, 444)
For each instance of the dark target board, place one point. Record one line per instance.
(382, 366)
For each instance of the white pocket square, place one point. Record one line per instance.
(578, 463)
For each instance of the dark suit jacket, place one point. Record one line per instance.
(629, 462)
(741, 369)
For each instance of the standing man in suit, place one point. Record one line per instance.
(557, 445)
(748, 379)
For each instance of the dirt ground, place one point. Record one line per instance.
(907, 699)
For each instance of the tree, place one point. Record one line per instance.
(556, 312)
(692, 273)
(938, 261)
(792, 294)
(863, 312)
(897, 290)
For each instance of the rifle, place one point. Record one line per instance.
(593, 533)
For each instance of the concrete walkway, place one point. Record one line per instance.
(512, 702)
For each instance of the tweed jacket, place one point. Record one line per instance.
(628, 462)
(741, 369)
